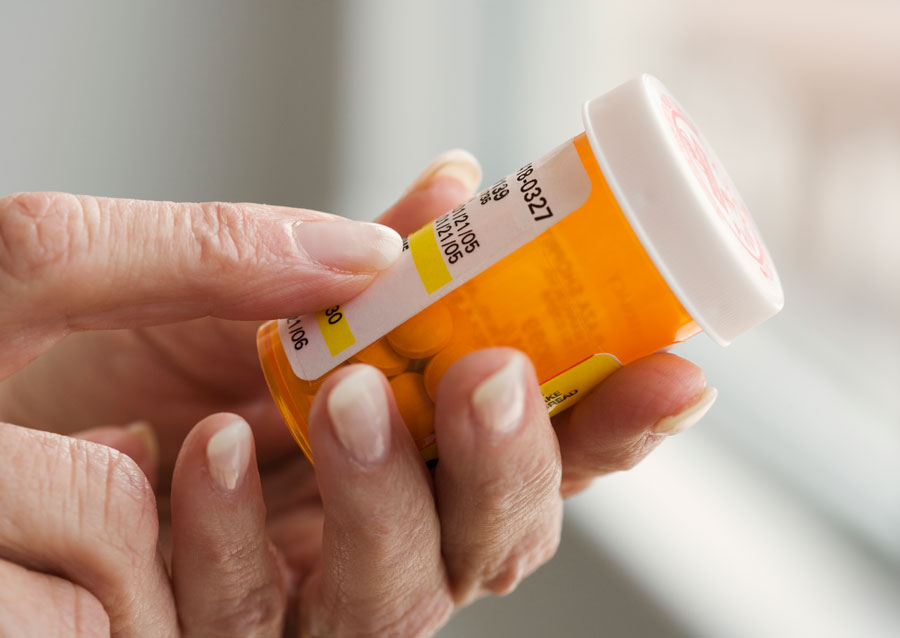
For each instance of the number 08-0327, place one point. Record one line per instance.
(531, 193)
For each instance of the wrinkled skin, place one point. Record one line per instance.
(351, 550)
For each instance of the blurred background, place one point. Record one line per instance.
(780, 514)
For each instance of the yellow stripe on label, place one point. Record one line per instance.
(428, 259)
(569, 387)
(335, 330)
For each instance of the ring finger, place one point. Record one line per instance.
(498, 478)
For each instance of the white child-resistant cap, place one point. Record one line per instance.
(683, 207)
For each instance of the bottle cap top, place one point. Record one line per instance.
(683, 207)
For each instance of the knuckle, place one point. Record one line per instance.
(250, 600)
(417, 611)
(421, 616)
(539, 544)
(506, 580)
(628, 455)
(548, 543)
(385, 594)
(114, 500)
(223, 232)
(42, 231)
(519, 530)
(250, 610)
(517, 496)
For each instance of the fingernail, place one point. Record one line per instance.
(499, 400)
(455, 164)
(228, 452)
(689, 416)
(358, 409)
(144, 432)
(347, 245)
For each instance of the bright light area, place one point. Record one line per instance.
(779, 516)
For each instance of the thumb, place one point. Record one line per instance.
(75, 262)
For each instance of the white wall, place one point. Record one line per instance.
(337, 105)
(200, 100)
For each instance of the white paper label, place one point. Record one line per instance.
(439, 258)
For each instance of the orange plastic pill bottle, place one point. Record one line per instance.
(622, 241)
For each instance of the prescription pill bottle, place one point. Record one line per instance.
(621, 242)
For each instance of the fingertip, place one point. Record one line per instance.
(666, 382)
(207, 427)
(615, 425)
(228, 451)
(349, 417)
(456, 164)
(689, 415)
(640, 393)
(357, 407)
(491, 420)
(217, 454)
(491, 386)
(449, 180)
(468, 372)
(362, 448)
(144, 432)
(348, 246)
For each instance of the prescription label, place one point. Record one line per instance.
(440, 257)
(335, 329)
(570, 386)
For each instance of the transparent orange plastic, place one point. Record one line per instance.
(584, 286)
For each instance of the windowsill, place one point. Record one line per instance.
(729, 553)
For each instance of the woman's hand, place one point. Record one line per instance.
(78, 538)
(171, 273)
(402, 548)
(78, 520)
(378, 546)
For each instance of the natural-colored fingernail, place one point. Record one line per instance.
(358, 409)
(689, 416)
(499, 400)
(145, 433)
(228, 452)
(347, 245)
(456, 164)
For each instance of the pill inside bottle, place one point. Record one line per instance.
(623, 241)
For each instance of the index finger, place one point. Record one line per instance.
(75, 262)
